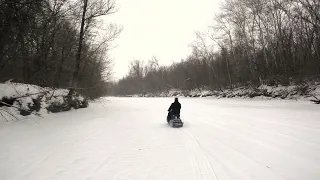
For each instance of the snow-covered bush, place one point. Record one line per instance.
(29, 99)
(302, 91)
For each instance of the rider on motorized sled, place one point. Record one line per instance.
(174, 109)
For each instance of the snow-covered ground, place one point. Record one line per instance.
(128, 139)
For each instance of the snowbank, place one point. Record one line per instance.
(26, 99)
(306, 91)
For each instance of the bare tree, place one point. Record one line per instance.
(91, 9)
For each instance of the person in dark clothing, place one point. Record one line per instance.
(174, 109)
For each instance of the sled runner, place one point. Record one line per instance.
(174, 121)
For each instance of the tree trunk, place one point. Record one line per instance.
(78, 56)
(57, 84)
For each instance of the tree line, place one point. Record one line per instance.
(250, 43)
(57, 43)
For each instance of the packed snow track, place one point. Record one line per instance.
(129, 139)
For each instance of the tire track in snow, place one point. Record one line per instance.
(103, 163)
(201, 164)
(284, 123)
(195, 167)
(229, 166)
(266, 144)
(276, 173)
(259, 128)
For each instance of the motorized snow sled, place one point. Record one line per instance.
(174, 121)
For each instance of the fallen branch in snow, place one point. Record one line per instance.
(29, 99)
(15, 88)
(3, 115)
(9, 114)
(43, 92)
(103, 105)
(27, 95)
(316, 101)
(31, 112)
(82, 88)
(3, 110)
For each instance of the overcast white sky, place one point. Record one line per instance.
(161, 28)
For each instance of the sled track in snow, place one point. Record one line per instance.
(203, 168)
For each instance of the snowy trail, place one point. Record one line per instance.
(128, 139)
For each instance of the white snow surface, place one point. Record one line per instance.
(128, 139)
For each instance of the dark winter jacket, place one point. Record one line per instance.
(175, 108)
